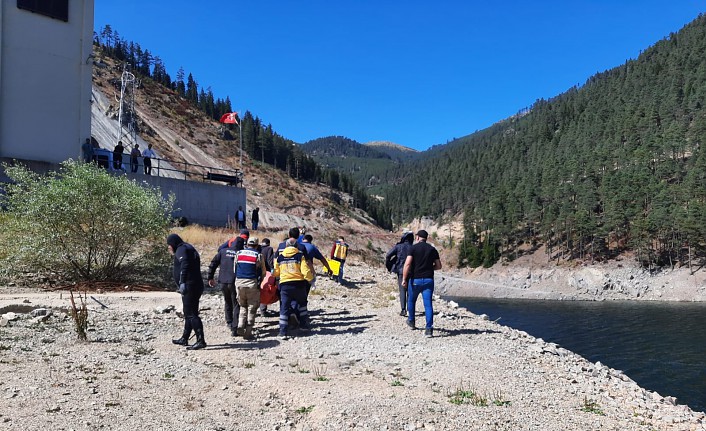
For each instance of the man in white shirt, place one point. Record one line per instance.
(148, 155)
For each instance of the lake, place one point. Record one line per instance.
(662, 346)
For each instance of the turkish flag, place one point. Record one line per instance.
(230, 118)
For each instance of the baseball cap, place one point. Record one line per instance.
(422, 234)
(252, 241)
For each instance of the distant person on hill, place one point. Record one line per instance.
(418, 275)
(249, 271)
(313, 253)
(96, 147)
(134, 157)
(225, 260)
(255, 217)
(87, 151)
(240, 217)
(187, 276)
(118, 156)
(147, 157)
(339, 252)
(394, 262)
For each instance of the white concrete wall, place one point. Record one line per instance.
(45, 82)
(201, 203)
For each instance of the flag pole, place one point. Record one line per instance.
(240, 138)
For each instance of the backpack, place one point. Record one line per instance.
(391, 258)
(403, 251)
(268, 290)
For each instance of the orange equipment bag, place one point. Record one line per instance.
(268, 290)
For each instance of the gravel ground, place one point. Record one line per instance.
(361, 367)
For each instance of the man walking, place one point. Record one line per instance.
(395, 260)
(294, 274)
(249, 270)
(313, 253)
(225, 260)
(187, 276)
(339, 251)
(418, 275)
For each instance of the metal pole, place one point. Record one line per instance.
(240, 138)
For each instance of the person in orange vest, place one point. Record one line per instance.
(339, 251)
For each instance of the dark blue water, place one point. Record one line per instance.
(662, 346)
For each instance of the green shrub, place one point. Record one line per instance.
(81, 223)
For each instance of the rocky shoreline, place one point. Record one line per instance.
(359, 368)
(600, 282)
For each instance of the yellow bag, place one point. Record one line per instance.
(334, 265)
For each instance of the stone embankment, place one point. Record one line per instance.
(360, 367)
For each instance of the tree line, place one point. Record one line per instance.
(615, 165)
(259, 141)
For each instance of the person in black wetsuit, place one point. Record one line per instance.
(187, 276)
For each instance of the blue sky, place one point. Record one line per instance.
(411, 72)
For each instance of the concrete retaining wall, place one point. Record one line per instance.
(201, 203)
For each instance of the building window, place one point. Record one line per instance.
(58, 9)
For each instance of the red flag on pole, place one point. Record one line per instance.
(230, 118)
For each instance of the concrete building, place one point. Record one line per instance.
(46, 67)
(45, 78)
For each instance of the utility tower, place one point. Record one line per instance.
(127, 118)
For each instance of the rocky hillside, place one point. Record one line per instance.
(180, 132)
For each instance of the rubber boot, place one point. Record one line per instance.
(200, 341)
(248, 333)
(184, 340)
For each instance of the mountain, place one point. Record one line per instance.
(395, 151)
(611, 166)
(367, 164)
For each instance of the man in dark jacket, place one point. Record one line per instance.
(268, 256)
(394, 261)
(225, 260)
(187, 276)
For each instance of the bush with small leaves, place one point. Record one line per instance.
(81, 224)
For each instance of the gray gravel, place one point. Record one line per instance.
(360, 368)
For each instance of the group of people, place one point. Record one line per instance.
(89, 155)
(414, 264)
(243, 263)
(254, 218)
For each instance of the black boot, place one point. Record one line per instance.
(184, 340)
(200, 341)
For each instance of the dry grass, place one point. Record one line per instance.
(205, 239)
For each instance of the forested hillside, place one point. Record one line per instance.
(614, 165)
(362, 162)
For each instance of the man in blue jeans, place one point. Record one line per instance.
(418, 275)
